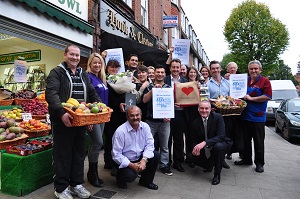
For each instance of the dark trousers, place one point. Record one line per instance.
(255, 130)
(215, 160)
(147, 176)
(178, 126)
(68, 156)
(191, 113)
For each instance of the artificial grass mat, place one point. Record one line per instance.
(21, 175)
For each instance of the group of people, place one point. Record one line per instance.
(136, 143)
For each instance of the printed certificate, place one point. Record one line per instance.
(163, 103)
(238, 85)
(181, 50)
(116, 53)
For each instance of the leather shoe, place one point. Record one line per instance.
(259, 168)
(191, 165)
(243, 162)
(216, 179)
(149, 186)
(229, 157)
(122, 185)
(225, 165)
(178, 167)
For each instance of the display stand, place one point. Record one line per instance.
(20, 175)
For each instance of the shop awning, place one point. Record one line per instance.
(60, 14)
(150, 56)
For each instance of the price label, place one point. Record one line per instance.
(26, 116)
(48, 118)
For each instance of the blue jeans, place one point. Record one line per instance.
(163, 131)
(96, 142)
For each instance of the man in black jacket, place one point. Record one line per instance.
(65, 81)
(209, 141)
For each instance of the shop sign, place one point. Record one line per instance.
(78, 8)
(112, 22)
(28, 56)
(170, 21)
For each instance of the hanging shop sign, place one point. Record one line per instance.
(113, 22)
(76, 7)
(28, 56)
(170, 21)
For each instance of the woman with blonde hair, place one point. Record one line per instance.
(96, 73)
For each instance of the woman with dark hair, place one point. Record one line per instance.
(117, 117)
(205, 72)
(192, 74)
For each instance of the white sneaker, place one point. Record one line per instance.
(80, 191)
(63, 195)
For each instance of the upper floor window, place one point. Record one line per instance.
(144, 12)
(175, 33)
(128, 2)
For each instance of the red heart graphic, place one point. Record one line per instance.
(187, 90)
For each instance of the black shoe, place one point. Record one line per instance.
(149, 186)
(225, 165)
(122, 185)
(92, 175)
(243, 162)
(191, 165)
(216, 179)
(228, 157)
(259, 168)
(178, 167)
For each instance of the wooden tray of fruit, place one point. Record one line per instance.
(16, 141)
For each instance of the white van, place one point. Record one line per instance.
(281, 89)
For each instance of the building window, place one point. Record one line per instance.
(144, 12)
(175, 33)
(128, 2)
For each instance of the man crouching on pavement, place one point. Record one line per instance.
(209, 141)
(133, 151)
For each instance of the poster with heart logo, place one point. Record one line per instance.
(187, 94)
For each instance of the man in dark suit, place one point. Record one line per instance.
(209, 141)
(179, 122)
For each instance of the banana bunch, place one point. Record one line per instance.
(73, 102)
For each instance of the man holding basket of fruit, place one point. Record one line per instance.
(68, 83)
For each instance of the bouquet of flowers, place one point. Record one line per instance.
(121, 82)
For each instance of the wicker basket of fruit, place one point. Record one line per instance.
(6, 97)
(16, 141)
(24, 96)
(35, 128)
(86, 114)
(228, 106)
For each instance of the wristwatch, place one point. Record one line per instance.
(146, 159)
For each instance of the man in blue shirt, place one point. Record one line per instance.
(133, 151)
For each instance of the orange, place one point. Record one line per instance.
(79, 110)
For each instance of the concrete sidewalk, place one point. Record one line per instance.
(281, 179)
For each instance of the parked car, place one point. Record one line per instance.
(287, 118)
(281, 89)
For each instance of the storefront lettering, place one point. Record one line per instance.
(117, 24)
(71, 4)
(142, 40)
(29, 56)
(133, 32)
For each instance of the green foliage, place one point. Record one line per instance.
(252, 33)
(283, 72)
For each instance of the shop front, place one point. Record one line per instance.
(38, 31)
(119, 31)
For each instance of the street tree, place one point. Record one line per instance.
(252, 33)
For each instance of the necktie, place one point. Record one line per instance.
(207, 150)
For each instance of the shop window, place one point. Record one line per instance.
(165, 38)
(128, 2)
(144, 12)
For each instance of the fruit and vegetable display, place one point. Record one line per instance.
(86, 114)
(28, 148)
(228, 106)
(34, 125)
(35, 107)
(9, 130)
